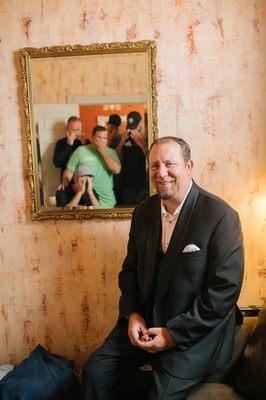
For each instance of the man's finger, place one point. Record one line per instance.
(153, 331)
(145, 337)
(133, 340)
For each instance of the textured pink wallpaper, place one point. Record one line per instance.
(58, 281)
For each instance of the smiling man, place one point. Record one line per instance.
(180, 283)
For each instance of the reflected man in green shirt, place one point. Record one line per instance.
(102, 161)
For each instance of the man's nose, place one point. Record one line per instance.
(162, 170)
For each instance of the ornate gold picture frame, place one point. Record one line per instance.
(28, 56)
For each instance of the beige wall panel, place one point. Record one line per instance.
(58, 281)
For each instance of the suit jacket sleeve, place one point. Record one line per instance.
(128, 283)
(221, 287)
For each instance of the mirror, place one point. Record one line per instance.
(92, 84)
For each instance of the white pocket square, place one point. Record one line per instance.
(191, 247)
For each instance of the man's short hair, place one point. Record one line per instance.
(185, 149)
(115, 120)
(72, 119)
(98, 128)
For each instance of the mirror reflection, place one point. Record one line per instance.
(90, 118)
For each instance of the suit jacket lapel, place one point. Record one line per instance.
(176, 242)
(151, 251)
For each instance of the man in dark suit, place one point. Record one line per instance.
(180, 283)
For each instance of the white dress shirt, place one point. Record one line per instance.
(169, 221)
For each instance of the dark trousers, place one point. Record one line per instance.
(109, 373)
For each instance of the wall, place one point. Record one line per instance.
(89, 115)
(58, 279)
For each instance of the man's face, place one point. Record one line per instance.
(101, 137)
(112, 131)
(75, 128)
(169, 173)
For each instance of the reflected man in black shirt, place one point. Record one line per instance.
(132, 150)
(64, 147)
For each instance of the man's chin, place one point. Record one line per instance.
(164, 196)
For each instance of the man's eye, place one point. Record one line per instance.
(154, 167)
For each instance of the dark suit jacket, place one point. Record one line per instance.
(192, 294)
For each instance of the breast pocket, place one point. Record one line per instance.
(191, 266)
(192, 254)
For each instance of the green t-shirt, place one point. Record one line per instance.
(102, 178)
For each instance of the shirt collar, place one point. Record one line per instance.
(178, 208)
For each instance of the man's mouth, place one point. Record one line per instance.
(164, 183)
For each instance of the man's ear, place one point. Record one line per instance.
(190, 166)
